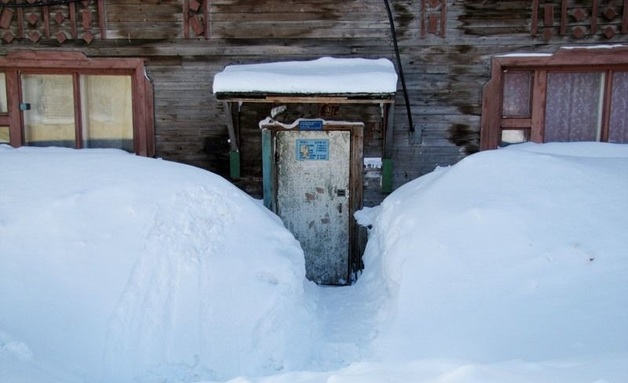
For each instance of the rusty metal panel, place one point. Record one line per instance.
(313, 199)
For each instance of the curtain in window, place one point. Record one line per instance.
(516, 100)
(573, 107)
(618, 128)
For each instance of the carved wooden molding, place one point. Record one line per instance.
(577, 19)
(433, 18)
(196, 18)
(34, 21)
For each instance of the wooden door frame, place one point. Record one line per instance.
(356, 164)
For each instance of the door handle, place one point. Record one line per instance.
(340, 207)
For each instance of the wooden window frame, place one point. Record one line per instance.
(599, 59)
(76, 64)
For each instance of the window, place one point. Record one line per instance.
(4, 128)
(68, 100)
(573, 95)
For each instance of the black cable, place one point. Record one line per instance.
(41, 3)
(391, 21)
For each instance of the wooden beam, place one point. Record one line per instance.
(233, 141)
(16, 135)
(206, 18)
(515, 123)
(539, 94)
(534, 27)
(388, 122)
(307, 99)
(443, 21)
(46, 17)
(606, 112)
(149, 119)
(73, 21)
(594, 13)
(563, 18)
(101, 19)
(186, 16)
(78, 111)
(234, 152)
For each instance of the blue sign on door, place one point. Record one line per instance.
(312, 149)
(311, 125)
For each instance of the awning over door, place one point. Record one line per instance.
(351, 77)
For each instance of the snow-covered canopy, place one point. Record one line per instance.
(325, 75)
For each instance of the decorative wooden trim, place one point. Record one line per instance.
(20, 20)
(433, 18)
(563, 18)
(32, 20)
(594, 13)
(73, 21)
(186, 24)
(46, 16)
(594, 18)
(101, 19)
(443, 20)
(196, 18)
(534, 25)
(206, 18)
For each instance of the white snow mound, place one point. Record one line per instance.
(117, 268)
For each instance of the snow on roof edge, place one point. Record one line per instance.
(326, 75)
(571, 47)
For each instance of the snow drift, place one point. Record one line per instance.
(509, 266)
(117, 268)
(513, 254)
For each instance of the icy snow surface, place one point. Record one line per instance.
(323, 75)
(507, 267)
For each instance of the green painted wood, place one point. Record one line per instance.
(267, 168)
(387, 175)
(234, 165)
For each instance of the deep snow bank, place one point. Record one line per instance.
(519, 253)
(117, 267)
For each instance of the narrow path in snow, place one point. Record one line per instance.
(347, 324)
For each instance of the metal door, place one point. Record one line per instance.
(313, 169)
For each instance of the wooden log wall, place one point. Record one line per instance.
(446, 47)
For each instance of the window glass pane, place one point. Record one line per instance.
(50, 119)
(573, 109)
(3, 94)
(517, 87)
(107, 112)
(517, 136)
(618, 127)
(4, 134)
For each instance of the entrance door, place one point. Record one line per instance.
(313, 169)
